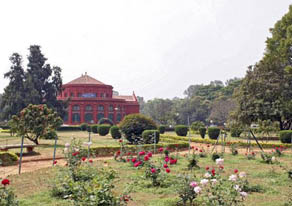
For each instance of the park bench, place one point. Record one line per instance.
(29, 147)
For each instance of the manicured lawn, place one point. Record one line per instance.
(33, 188)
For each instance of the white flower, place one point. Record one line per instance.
(273, 159)
(67, 144)
(76, 149)
(65, 149)
(219, 161)
(242, 175)
(214, 181)
(243, 194)
(193, 184)
(207, 175)
(237, 188)
(204, 181)
(197, 189)
(233, 178)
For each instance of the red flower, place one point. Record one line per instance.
(221, 167)
(91, 161)
(118, 152)
(160, 149)
(166, 159)
(75, 153)
(134, 160)
(55, 162)
(192, 147)
(120, 140)
(208, 145)
(149, 154)
(141, 153)
(213, 172)
(201, 150)
(167, 170)
(253, 153)
(176, 145)
(153, 170)
(129, 153)
(128, 160)
(137, 164)
(83, 159)
(146, 158)
(165, 166)
(173, 161)
(207, 168)
(5, 182)
(236, 171)
(196, 149)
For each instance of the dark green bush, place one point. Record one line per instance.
(133, 125)
(94, 128)
(8, 158)
(235, 132)
(88, 129)
(69, 128)
(181, 130)
(161, 129)
(150, 136)
(202, 131)
(83, 126)
(115, 132)
(51, 134)
(213, 132)
(286, 136)
(103, 129)
(197, 125)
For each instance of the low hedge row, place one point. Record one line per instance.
(240, 144)
(4, 130)
(69, 128)
(8, 158)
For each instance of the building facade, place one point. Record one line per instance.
(92, 100)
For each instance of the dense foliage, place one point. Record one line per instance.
(286, 136)
(213, 132)
(103, 129)
(202, 132)
(94, 128)
(150, 136)
(35, 121)
(115, 132)
(83, 126)
(161, 129)
(181, 130)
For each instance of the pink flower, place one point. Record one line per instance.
(193, 184)
(167, 170)
(197, 189)
(166, 159)
(134, 160)
(146, 158)
(160, 149)
(141, 153)
(128, 160)
(165, 166)
(172, 162)
(149, 154)
(153, 170)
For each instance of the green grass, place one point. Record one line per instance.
(33, 188)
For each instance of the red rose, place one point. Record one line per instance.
(83, 159)
(134, 160)
(128, 160)
(149, 154)
(207, 168)
(160, 149)
(118, 152)
(141, 153)
(196, 149)
(120, 140)
(153, 170)
(91, 161)
(129, 153)
(236, 171)
(201, 150)
(165, 166)
(55, 162)
(146, 158)
(213, 172)
(5, 182)
(166, 159)
(75, 153)
(167, 170)
(192, 147)
(253, 153)
(136, 164)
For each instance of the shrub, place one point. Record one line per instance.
(235, 132)
(7, 196)
(94, 128)
(88, 129)
(83, 126)
(69, 128)
(103, 129)
(202, 131)
(181, 130)
(213, 132)
(106, 121)
(8, 158)
(133, 125)
(51, 134)
(197, 125)
(115, 132)
(150, 136)
(161, 129)
(286, 136)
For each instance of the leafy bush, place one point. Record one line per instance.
(7, 196)
(69, 128)
(8, 158)
(150, 136)
(94, 128)
(213, 132)
(202, 131)
(286, 136)
(235, 132)
(181, 130)
(161, 129)
(115, 132)
(83, 126)
(133, 125)
(103, 129)
(197, 125)
(51, 134)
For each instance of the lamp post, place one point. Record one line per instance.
(189, 134)
(89, 139)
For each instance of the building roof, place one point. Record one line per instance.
(85, 79)
(130, 98)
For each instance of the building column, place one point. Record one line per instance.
(105, 110)
(94, 113)
(82, 113)
(69, 112)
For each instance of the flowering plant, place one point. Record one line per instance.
(186, 190)
(267, 158)
(250, 155)
(278, 151)
(193, 162)
(234, 150)
(7, 196)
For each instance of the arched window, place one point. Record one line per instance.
(88, 108)
(119, 117)
(65, 118)
(100, 116)
(111, 116)
(76, 107)
(111, 108)
(75, 118)
(88, 117)
(100, 108)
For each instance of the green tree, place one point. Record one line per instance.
(266, 91)
(35, 121)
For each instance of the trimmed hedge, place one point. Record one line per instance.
(69, 128)
(115, 132)
(103, 129)
(235, 132)
(148, 136)
(83, 126)
(202, 132)
(94, 128)
(8, 158)
(286, 136)
(181, 130)
(161, 129)
(213, 132)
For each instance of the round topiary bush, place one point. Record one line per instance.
(115, 132)
(133, 125)
(105, 121)
(181, 130)
(161, 129)
(94, 128)
(103, 129)
(286, 136)
(202, 131)
(150, 136)
(88, 129)
(213, 132)
(83, 126)
(8, 158)
(235, 132)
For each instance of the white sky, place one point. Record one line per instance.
(155, 47)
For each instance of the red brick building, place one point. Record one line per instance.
(92, 100)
